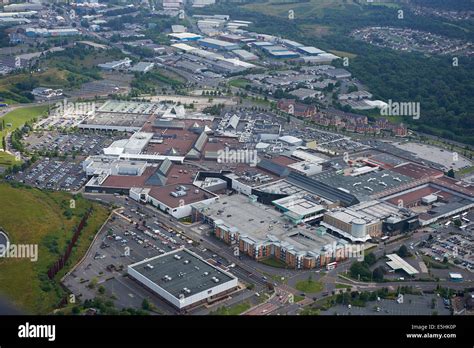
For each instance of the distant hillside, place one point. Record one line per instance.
(453, 5)
(30, 216)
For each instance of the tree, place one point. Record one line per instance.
(360, 270)
(450, 173)
(378, 273)
(403, 251)
(370, 259)
(146, 304)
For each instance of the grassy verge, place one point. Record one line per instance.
(276, 278)
(368, 250)
(30, 216)
(465, 171)
(7, 160)
(343, 54)
(273, 262)
(239, 83)
(430, 263)
(298, 298)
(233, 310)
(309, 286)
(343, 286)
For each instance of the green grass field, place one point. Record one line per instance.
(7, 160)
(343, 286)
(308, 9)
(20, 116)
(309, 286)
(30, 216)
(233, 310)
(298, 298)
(239, 83)
(273, 262)
(343, 54)
(17, 118)
(11, 87)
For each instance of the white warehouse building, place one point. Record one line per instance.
(183, 278)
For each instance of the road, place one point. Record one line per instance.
(262, 275)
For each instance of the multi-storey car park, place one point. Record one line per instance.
(260, 231)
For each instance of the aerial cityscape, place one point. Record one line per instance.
(250, 158)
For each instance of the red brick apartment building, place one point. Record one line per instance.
(299, 109)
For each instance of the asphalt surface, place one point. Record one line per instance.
(262, 276)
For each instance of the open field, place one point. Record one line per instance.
(7, 160)
(343, 54)
(20, 116)
(239, 83)
(30, 216)
(61, 70)
(315, 30)
(16, 88)
(302, 9)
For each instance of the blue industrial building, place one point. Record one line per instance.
(218, 44)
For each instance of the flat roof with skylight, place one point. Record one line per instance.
(182, 277)
(262, 223)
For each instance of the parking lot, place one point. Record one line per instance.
(445, 158)
(82, 143)
(458, 248)
(54, 175)
(121, 242)
(327, 140)
(132, 235)
(54, 171)
(412, 305)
